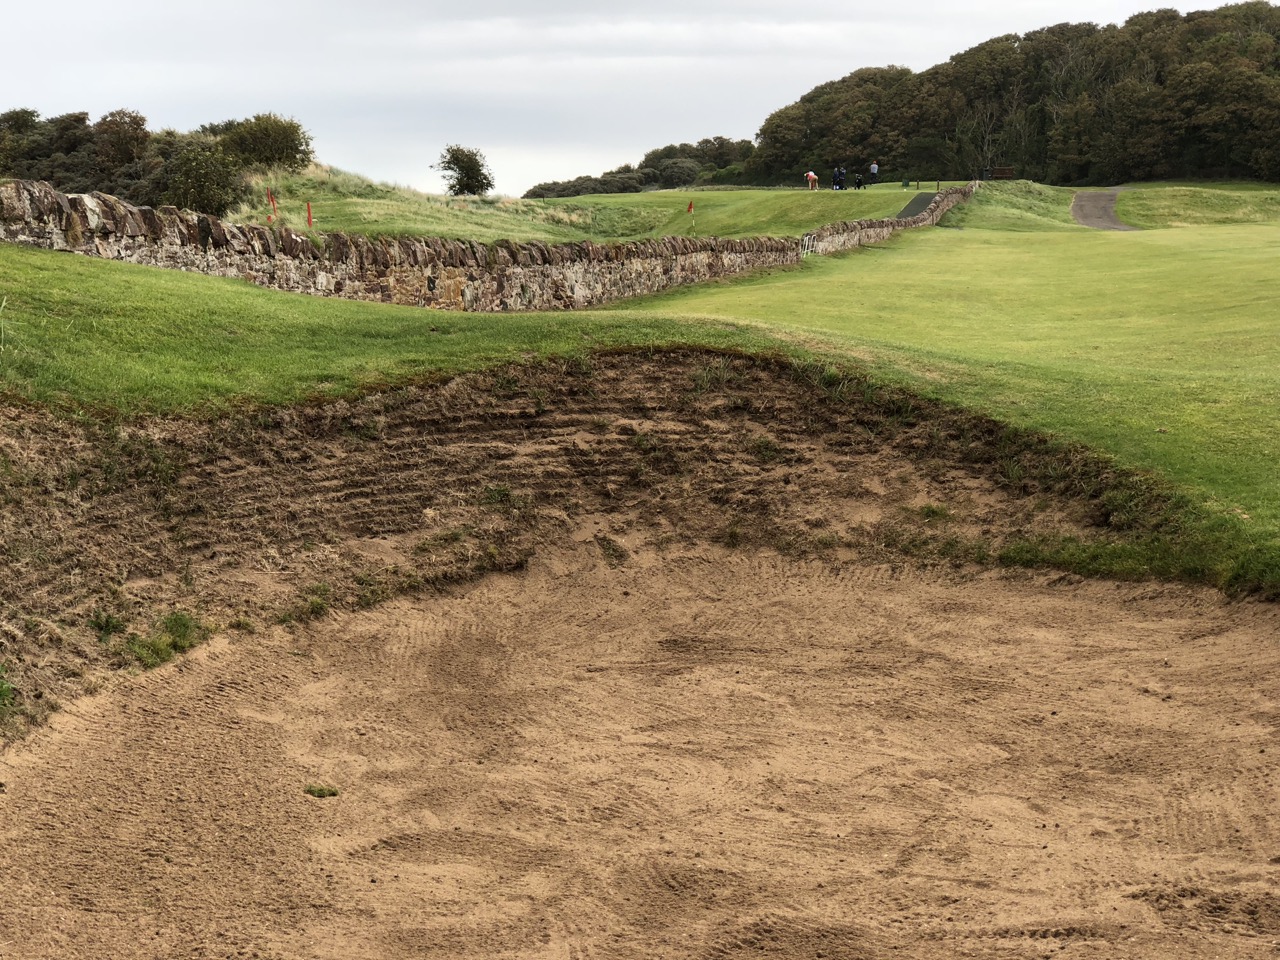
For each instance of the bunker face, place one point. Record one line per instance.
(648, 741)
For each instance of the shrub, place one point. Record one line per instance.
(678, 172)
(202, 176)
(265, 141)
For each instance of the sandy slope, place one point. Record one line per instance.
(696, 754)
(714, 713)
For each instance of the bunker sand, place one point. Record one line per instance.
(656, 740)
(697, 755)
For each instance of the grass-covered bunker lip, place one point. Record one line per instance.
(1079, 374)
(143, 530)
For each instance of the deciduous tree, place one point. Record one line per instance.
(466, 172)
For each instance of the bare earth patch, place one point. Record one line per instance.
(669, 657)
(1097, 209)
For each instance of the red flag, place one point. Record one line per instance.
(691, 206)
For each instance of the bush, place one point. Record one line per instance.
(622, 183)
(203, 177)
(733, 175)
(265, 141)
(678, 172)
(17, 132)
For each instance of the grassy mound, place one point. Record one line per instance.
(1018, 206)
(344, 202)
(1157, 206)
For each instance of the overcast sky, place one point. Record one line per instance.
(546, 89)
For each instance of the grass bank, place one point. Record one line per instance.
(82, 333)
(1157, 206)
(1156, 348)
(1016, 207)
(343, 202)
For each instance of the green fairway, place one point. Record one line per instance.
(345, 203)
(1160, 347)
(76, 331)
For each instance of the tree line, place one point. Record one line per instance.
(1164, 96)
(204, 169)
(710, 160)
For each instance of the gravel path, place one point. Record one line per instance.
(1097, 209)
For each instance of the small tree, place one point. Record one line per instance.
(120, 138)
(466, 172)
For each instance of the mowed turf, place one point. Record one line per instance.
(1157, 347)
(1161, 347)
(346, 203)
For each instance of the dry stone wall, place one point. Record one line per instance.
(425, 272)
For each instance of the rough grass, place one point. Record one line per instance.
(1017, 206)
(176, 633)
(737, 213)
(1158, 206)
(346, 203)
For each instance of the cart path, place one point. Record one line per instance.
(1097, 209)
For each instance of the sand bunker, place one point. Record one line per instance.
(720, 718)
